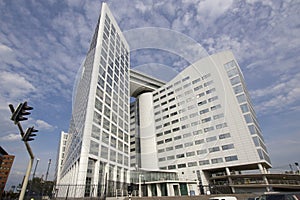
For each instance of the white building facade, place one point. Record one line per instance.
(200, 124)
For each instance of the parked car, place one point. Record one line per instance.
(280, 196)
(223, 198)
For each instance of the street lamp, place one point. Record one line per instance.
(36, 164)
(33, 175)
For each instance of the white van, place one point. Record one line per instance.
(223, 198)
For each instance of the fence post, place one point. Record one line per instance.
(67, 192)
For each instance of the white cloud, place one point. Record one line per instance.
(7, 55)
(16, 86)
(209, 11)
(42, 125)
(10, 137)
(278, 96)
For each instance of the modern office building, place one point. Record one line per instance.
(176, 138)
(6, 162)
(60, 155)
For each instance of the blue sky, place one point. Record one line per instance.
(43, 43)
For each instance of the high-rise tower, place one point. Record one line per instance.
(198, 126)
(98, 144)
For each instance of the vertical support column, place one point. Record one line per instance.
(158, 188)
(147, 132)
(229, 179)
(96, 177)
(149, 190)
(263, 171)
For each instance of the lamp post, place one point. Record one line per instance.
(49, 163)
(36, 164)
(33, 175)
(45, 182)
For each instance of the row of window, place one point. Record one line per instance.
(203, 162)
(181, 81)
(193, 153)
(191, 143)
(114, 156)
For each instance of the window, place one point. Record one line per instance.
(185, 126)
(213, 149)
(206, 120)
(223, 125)
(235, 80)
(231, 158)
(215, 107)
(187, 135)
(204, 162)
(208, 83)
(199, 141)
(216, 160)
(168, 140)
(186, 85)
(173, 114)
(179, 146)
(175, 121)
(181, 165)
(212, 99)
(232, 72)
(161, 159)
(169, 148)
(241, 98)
(197, 132)
(195, 123)
(188, 144)
(191, 107)
(185, 79)
(230, 65)
(189, 154)
(210, 139)
(218, 116)
(210, 91)
(202, 151)
(160, 142)
(98, 105)
(202, 103)
(224, 135)
(180, 155)
(238, 89)
(188, 92)
(198, 88)
(228, 146)
(159, 134)
(172, 167)
(177, 137)
(193, 114)
(175, 129)
(196, 80)
(204, 111)
(161, 150)
(211, 128)
(256, 141)
(183, 118)
(206, 76)
(200, 95)
(192, 164)
(244, 108)
(248, 118)
(170, 157)
(252, 129)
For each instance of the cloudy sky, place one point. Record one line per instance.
(43, 43)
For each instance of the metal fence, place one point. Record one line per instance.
(79, 191)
